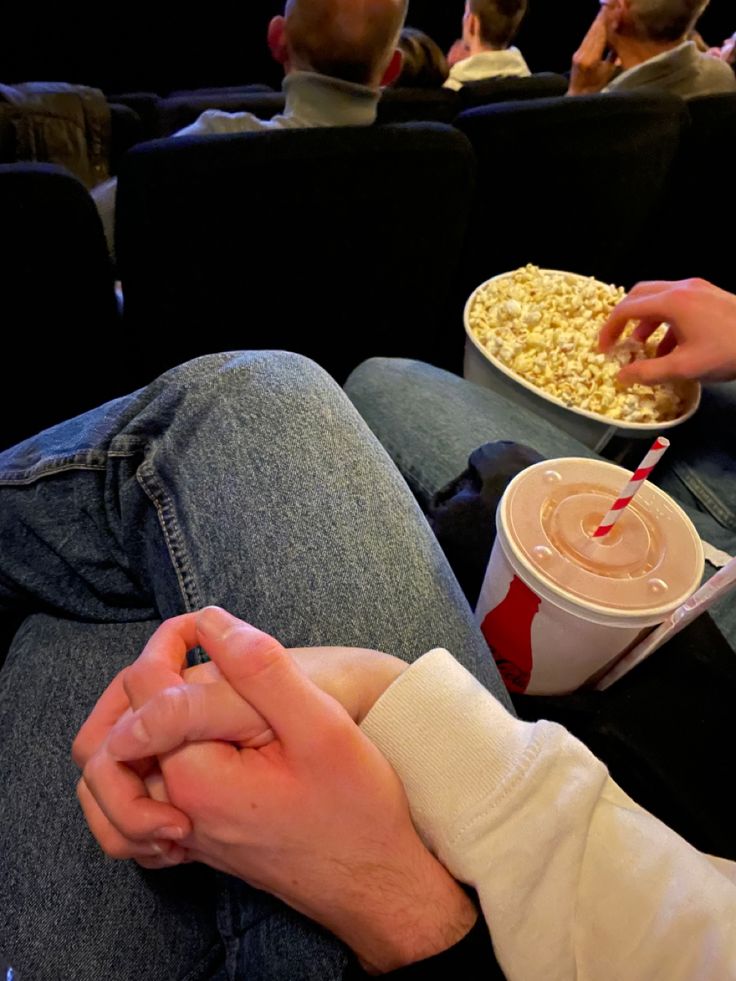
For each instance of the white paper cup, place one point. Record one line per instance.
(558, 608)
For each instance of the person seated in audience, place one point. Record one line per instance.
(284, 769)
(637, 43)
(484, 50)
(336, 55)
(423, 63)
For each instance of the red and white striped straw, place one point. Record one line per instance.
(642, 472)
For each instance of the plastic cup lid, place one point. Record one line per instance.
(650, 561)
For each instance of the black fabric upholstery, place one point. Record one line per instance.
(61, 344)
(335, 243)
(7, 139)
(146, 105)
(126, 129)
(664, 732)
(177, 112)
(542, 86)
(403, 105)
(222, 89)
(568, 183)
(691, 237)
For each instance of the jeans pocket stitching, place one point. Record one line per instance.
(705, 496)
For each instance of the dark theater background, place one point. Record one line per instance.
(161, 48)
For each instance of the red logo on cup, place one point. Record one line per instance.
(507, 629)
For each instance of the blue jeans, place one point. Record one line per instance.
(430, 421)
(246, 480)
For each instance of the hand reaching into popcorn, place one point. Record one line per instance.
(700, 342)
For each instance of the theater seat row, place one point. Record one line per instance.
(347, 243)
(164, 116)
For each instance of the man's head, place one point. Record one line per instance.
(491, 24)
(354, 40)
(664, 22)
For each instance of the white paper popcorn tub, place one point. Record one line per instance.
(593, 429)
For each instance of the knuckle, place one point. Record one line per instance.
(132, 680)
(266, 654)
(171, 709)
(80, 751)
(91, 771)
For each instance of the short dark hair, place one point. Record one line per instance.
(665, 20)
(424, 64)
(499, 20)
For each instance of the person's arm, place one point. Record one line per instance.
(700, 342)
(571, 873)
(727, 51)
(575, 879)
(591, 69)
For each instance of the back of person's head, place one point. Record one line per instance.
(499, 20)
(664, 21)
(423, 64)
(353, 40)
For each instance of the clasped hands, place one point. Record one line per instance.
(253, 764)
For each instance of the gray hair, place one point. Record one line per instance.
(665, 20)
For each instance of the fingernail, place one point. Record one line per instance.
(171, 833)
(216, 623)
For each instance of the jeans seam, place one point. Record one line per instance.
(203, 968)
(705, 496)
(173, 537)
(405, 468)
(31, 475)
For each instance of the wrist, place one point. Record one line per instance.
(399, 919)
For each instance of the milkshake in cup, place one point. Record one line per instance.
(559, 607)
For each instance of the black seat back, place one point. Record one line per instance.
(176, 112)
(61, 332)
(403, 105)
(569, 183)
(542, 86)
(336, 243)
(694, 229)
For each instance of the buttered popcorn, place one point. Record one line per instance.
(545, 326)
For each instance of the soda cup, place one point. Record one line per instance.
(559, 607)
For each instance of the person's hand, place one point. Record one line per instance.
(126, 806)
(144, 825)
(316, 816)
(458, 52)
(727, 51)
(592, 70)
(700, 342)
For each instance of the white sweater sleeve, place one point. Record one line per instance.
(575, 879)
